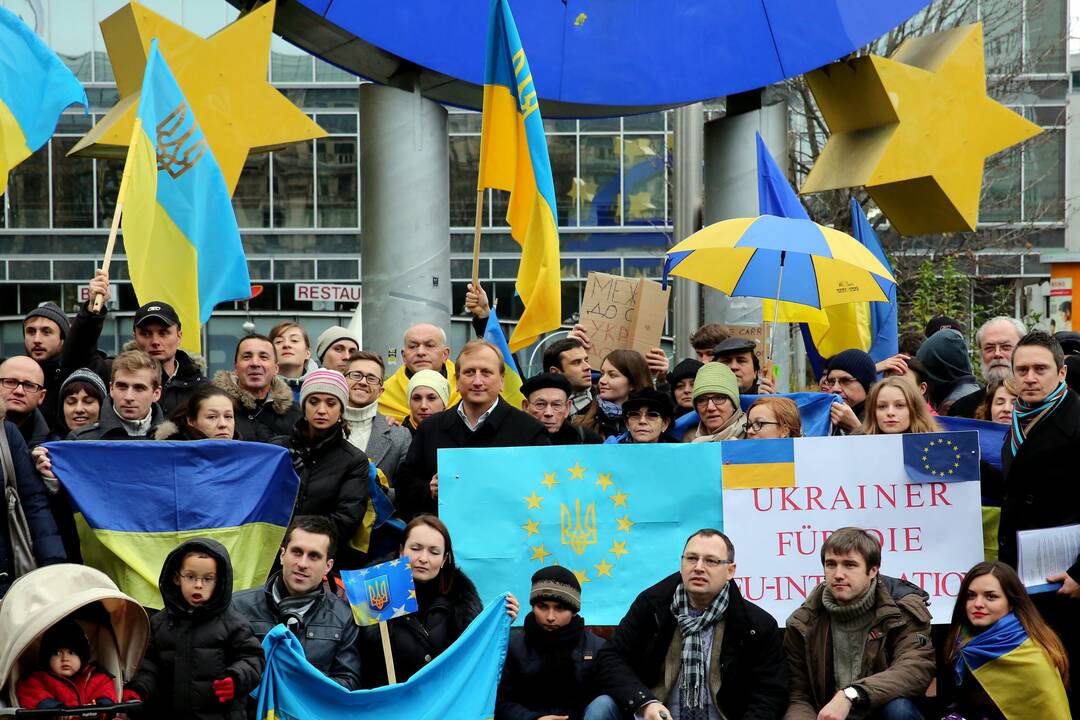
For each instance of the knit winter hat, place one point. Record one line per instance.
(326, 381)
(65, 634)
(87, 377)
(558, 584)
(431, 379)
(940, 323)
(330, 336)
(51, 311)
(685, 370)
(856, 363)
(714, 377)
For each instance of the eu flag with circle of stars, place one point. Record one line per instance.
(380, 592)
(942, 457)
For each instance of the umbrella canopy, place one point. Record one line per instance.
(788, 259)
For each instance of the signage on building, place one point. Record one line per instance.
(326, 292)
(84, 295)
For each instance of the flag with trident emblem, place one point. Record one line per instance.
(617, 517)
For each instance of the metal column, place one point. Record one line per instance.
(689, 160)
(405, 217)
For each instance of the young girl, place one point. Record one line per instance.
(67, 678)
(895, 406)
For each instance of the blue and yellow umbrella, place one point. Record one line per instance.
(787, 259)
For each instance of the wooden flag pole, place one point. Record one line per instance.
(99, 300)
(388, 655)
(476, 239)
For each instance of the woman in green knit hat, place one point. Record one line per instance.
(716, 400)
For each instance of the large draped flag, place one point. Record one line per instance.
(461, 683)
(35, 87)
(136, 501)
(511, 391)
(813, 412)
(180, 234)
(514, 157)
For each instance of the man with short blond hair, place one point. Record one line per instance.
(134, 413)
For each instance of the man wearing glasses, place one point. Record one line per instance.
(547, 398)
(22, 387)
(691, 648)
(385, 446)
(996, 339)
(849, 374)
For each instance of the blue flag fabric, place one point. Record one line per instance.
(941, 457)
(813, 411)
(991, 435)
(883, 321)
(601, 511)
(461, 683)
(380, 592)
(775, 196)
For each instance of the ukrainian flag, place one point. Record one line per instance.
(180, 233)
(514, 157)
(136, 501)
(494, 334)
(35, 87)
(758, 463)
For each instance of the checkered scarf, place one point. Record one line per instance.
(694, 677)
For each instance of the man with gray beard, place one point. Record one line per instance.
(996, 339)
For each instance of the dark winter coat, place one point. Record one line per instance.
(44, 689)
(48, 547)
(80, 350)
(333, 478)
(35, 430)
(897, 661)
(170, 430)
(753, 676)
(327, 632)
(190, 647)
(260, 420)
(505, 427)
(109, 427)
(190, 374)
(52, 370)
(419, 638)
(548, 672)
(570, 434)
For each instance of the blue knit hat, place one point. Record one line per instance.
(857, 363)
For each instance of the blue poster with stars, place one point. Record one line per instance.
(380, 592)
(616, 515)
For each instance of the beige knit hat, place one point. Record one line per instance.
(431, 379)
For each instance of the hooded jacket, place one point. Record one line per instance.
(948, 367)
(191, 647)
(260, 420)
(898, 659)
(45, 689)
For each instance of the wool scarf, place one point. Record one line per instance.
(694, 681)
(1025, 416)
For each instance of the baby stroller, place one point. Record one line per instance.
(116, 626)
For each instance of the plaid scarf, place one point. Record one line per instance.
(694, 677)
(1026, 416)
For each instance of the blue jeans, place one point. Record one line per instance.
(899, 709)
(602, 708)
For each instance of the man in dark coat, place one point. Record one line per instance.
(45, 330)
(264, 402)
(297, 596)
(203, 658)
(157, 332)
(133, 412)
(22, 388)
(481, 419)
(725, 658)
(547, 398)
(1039, 459)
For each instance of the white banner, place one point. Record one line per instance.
(931, 532)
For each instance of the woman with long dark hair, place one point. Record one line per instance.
(622, 373)
(208, 414)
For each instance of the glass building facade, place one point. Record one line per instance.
(298, 208)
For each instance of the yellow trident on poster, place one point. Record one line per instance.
(378, 592)
(574, 535)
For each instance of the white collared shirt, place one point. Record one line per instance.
(483, 418)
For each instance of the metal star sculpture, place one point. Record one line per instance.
(915, 129)
(223, 77)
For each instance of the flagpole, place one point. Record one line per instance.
(120, 195)
(476, 240)
(388, 655)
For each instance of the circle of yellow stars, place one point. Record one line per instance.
(949, 470)
(619, 499)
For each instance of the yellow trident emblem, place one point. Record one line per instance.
(574, 535)
(173, 157)
(378, 589)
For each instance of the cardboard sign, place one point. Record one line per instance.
(620, 312)
(749, 332)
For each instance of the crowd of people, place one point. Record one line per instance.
(689, 647)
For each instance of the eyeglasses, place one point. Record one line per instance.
(716, 401)
(990, 348)
(12, 383)
(542, 405)
(836, 382)
(757, 425)
(709, 561)
(642, 414)
(359, 377)
(190, 579)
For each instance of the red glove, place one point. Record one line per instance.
(225, 689)
(130, 696)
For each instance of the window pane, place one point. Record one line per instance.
(28, 192)
(288, 63)
(1046, 36)
(464, 166)
(71, 33)
(325, 72)
(1002, 23)
(109, 174)
(1001, 188)
(562, 151)
(600, 180)
(643, 181)
(337, 182)
(1044, 177)
(294, 186)
(73, 186)
(649, 121)
(102, 9)
(251, 199)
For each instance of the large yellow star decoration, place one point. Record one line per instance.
(587, 526)
(223, 78)
(915, 129)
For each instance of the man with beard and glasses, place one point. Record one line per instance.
(995, 339)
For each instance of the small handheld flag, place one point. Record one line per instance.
(380, 592)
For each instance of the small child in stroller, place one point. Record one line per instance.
(67, 678)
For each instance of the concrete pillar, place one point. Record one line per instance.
(688, 164)
(405, 217)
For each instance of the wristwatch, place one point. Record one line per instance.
(852, 694)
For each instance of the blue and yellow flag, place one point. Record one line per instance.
(180, 234)
(759, 463)
(813, 412)
(380, 592)
(605, 512)
(494, 334)
(461, 683)
(514, 157)
(35, 87)
(136, 501)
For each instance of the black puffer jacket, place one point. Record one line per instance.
(176, 390)
(333, 478)
(548, 672)
(190, 648)
(419, 638)
(260, 420)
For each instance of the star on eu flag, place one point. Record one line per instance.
(534, 501)
(577, 472)
(549, 480)
(532, 527)
(605, 481)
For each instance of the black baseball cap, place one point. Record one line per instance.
(156, 311)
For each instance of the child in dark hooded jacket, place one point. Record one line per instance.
(203, 659)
